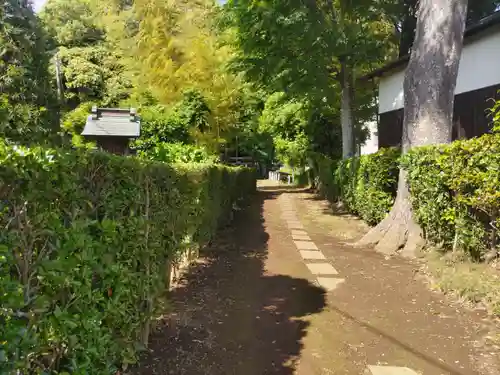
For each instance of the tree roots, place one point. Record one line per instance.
(398, 232)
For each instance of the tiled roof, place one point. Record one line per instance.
(112, 122)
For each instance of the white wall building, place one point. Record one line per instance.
(477, 85)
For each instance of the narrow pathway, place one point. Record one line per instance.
(279, 293)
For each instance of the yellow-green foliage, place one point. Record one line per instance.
(173, 48)
(84, 249)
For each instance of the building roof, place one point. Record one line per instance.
(483, 25)
(112, 122)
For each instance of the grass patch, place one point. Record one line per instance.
(469, 281)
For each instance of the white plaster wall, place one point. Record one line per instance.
(479, 67)
(390, 92)
(371, 144)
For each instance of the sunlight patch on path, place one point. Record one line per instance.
(312, 254)
(329, 283)
(306, 245)
(325, 273)
(299, 232)
(297, 237)
(295, 225)
(389, 370)
(322, 269)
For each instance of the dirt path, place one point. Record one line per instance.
(279, 293)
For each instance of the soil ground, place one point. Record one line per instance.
(251, 306)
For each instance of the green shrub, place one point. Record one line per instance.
(324, 171)
(74, 121)
(303, 177)
(160, 125)
(454, 190)
(455, 193)
(375, 190)
(366, 185)
(86, 240)
(178, 153)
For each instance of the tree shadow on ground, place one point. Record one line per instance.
(333, 208)
(229, 315)
(284, 188)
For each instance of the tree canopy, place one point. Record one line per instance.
(26, 88)
(237, 77)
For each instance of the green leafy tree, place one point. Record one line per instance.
(28, 107)
(92, 68)
(93, 74)
(244, 137)
(311, 50)
(72, 23)
(286, 120)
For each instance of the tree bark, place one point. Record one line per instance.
(347, 122)
(429, 89)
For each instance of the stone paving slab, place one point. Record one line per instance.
(322, 269)
(312, 254)
(296, 232)
(297, 237)
(389, 370)
(295, 225)
(306, 245)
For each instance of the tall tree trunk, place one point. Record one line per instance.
(429, 88)
(346, 116)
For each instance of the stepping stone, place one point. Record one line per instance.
(296, 237)
(299, 232)
(329, 284)
(295, 225)
(321, 269)
(312, 254)
(389, 370)
(305, 245)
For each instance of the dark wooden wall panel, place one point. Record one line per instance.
(471, 117)
(390, 127)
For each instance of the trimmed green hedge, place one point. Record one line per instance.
(366, 185)
(455, 190)
(86, 243)
(324, 172)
